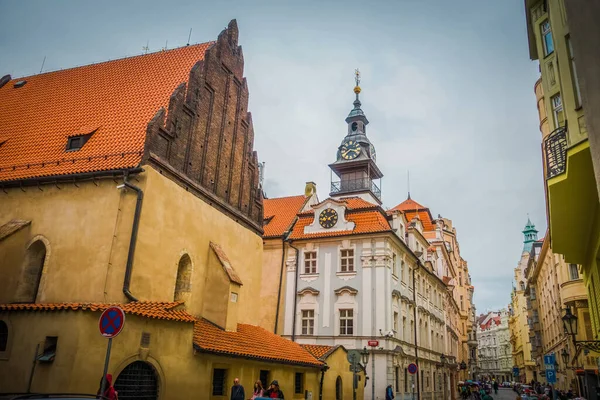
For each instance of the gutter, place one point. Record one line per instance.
(113, 173)
(134, 232)
(324, 369)
(283, 240)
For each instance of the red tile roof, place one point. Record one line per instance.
(317, 350)
(279, 214)
(115, 99)
(411, 209)
(365, 222)
(252, 342)
(148, 309)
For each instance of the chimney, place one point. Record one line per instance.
(310, 189)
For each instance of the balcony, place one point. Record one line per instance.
(555, 150)
(354, 185)
(572, 291)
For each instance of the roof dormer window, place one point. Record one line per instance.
(76, 142)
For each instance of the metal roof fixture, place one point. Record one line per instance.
(4, 80)
(19, 84)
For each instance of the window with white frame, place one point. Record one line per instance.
(346, 322)
(347, 260)
(394, 264)
(308, 322)
(573, 272)
(557, 111)
(547, 37)
(310, 262)
(395, 323)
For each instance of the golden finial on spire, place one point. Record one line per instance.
(357, 80)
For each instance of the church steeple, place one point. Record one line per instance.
(529, 236)
(356, 158)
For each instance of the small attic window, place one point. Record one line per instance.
(76, 142)
(19, 84)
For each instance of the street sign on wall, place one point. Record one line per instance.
(549, 361)
(111, 322)
(515, 371)
(373, 343)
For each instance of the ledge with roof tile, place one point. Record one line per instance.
(250, 342)
(149, 309)
(280, 213)
(319, 351)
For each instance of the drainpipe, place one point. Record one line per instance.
(295, 292)
(280, 283)
(133, 239)
(324, 369)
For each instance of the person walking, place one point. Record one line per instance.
(274, 392)
(237, 390)
(258, 390)
(495, 387)
(109, 391)
(389, 393)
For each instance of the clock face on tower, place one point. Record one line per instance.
(350, 149)
(328, 218)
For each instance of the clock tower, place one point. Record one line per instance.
(355, 168)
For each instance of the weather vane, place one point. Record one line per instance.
(357, 76)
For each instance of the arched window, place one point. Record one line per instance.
(137, 381)
(31, 273)
(184, 278)
(3, 336)
(339, 395)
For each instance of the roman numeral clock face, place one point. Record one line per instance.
(328, 218)
(350, 149)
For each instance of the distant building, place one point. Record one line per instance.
(494, 348)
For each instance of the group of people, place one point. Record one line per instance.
(542, 391)
(273, 392)
(478, 390)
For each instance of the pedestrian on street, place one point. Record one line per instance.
(495, 387)
(258, 390)
(109, 391)
(274, 392)
(389, 393)
(237, 390)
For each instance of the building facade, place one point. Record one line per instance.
(357, 274)
(574, 221)
(134, 183)
(494, 348)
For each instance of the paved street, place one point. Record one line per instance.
(505, 394)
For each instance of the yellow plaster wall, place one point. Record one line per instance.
(339, 366)
(273, 249)
(79, 223)
(175, 222)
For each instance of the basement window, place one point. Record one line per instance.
(49, 349)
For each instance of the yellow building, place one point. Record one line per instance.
(134, 183)
(573, 220)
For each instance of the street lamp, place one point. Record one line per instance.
(463, 365)
(565, 356)
(570, 325)
(365, 356)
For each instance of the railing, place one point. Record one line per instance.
(350, 185)
(555, 151)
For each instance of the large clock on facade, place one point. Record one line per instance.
(350, 149)
(328, 218)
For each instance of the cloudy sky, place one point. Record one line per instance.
(447, 87)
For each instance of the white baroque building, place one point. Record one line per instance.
(493, 346)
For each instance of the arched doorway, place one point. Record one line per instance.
(137, 381)
(339, 395)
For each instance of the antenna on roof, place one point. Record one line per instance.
(408, 181)
(43, 62)
(166, 43)
(189, 37)
(146, 48)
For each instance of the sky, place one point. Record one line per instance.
(446, 85)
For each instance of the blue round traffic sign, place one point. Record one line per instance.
(111, 322)
(412, 368)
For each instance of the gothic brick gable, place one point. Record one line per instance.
(206, 137)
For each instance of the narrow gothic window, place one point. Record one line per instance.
(310, 262)
(347, 260)
(32, 273)
(183, 282)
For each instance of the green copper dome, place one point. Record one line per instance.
(530, 235)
